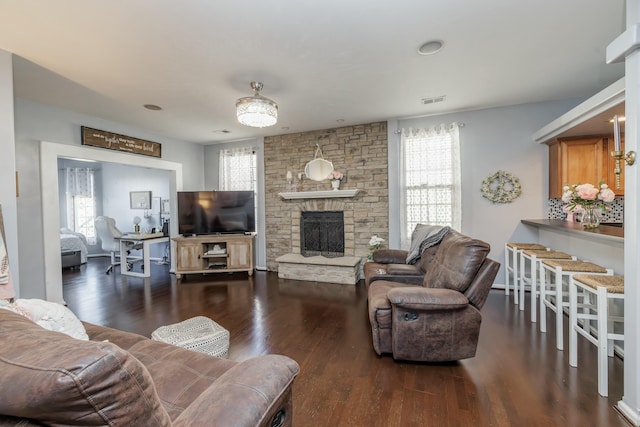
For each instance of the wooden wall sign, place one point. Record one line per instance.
(113, 141)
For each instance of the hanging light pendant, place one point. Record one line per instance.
(256, 111)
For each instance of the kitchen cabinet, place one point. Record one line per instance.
(579, 160)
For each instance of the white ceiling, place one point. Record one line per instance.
(326, 63)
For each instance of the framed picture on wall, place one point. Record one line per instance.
(140, 199)
(165, 207)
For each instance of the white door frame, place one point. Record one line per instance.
(49, 154)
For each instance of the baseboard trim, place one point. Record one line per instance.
(628, 412)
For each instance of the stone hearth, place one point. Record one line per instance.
(343, 270)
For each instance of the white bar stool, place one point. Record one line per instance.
(535, 256)
(589, 297)
(511, 256)
(552, 294)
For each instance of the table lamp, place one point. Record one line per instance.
(136, 224)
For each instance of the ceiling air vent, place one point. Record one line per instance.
(427, 101)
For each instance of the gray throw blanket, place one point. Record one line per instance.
(424, 236)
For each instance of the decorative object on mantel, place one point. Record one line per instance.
(336, 178)
(374, 244)
(299, 187)
(114, 141)
(501, 187)
(318, 169)
(588, 198)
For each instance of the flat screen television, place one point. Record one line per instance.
(216, 212)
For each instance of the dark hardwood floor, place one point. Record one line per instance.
(517, 378)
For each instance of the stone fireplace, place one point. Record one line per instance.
(322, 233)
(361, 153)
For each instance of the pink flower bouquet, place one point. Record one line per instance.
(579, 196)
(335, 176)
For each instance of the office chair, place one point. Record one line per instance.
(108, 232)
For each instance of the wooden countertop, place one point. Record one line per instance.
(602, 233)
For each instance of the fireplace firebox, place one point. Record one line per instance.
(322, 233)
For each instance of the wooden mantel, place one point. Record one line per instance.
(326, 194)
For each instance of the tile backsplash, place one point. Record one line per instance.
(614, 211)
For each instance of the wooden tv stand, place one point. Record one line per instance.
(214, 254)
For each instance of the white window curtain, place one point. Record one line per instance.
(430, 178)
(81, 202)
(238, 169)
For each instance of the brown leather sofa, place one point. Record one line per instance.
(390, 264)
(406, 266)
(123, 379)
(439, 319)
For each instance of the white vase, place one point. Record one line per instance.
(335, 184)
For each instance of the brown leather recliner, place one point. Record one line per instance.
(439, 320)
(406, 266)
(389, 264)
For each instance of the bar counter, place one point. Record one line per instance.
(603, 232)
(603, 245)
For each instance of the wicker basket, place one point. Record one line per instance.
(197, 334)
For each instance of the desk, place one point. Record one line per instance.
(147, 240)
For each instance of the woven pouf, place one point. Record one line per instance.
(197, 334)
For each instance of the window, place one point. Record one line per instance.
(81, 202)
(430, 178)
(238, 169)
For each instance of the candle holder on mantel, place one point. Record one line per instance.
(299, 187)
(289, 181)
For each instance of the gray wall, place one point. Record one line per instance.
(212, 178)
(36, 122)
(491, 140)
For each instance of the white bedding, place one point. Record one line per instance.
(72, 241)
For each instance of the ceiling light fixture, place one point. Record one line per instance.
(256, 111)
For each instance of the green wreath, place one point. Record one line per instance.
(501, 187)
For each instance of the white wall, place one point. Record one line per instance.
(7, 164)
(119, 180)
(37, 122)
(491, 140)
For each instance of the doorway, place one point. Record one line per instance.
(49, 154)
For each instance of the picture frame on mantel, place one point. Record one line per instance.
(140, 199)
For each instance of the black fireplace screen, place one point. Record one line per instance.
(322, 233)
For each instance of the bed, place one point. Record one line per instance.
(73, 241)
